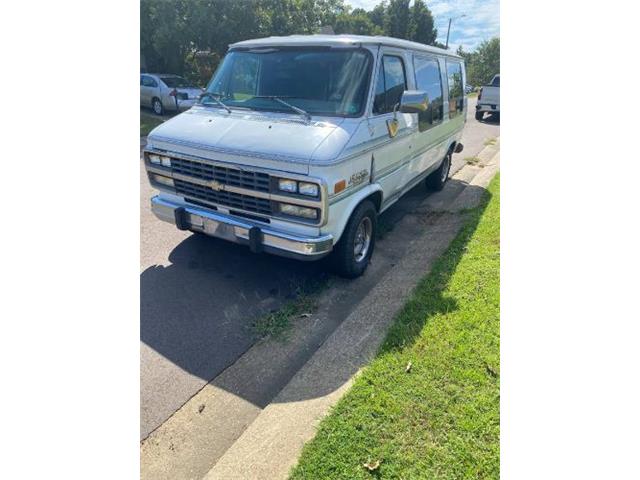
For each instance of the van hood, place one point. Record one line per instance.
(263, 139)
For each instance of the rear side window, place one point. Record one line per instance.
(149, 82)
(391, 83)
(428, 80)
(175, 82)
(496, 81)
(456, 93)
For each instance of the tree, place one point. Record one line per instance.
(397, 19)
(378, 14)
(189, 37)
(421, 28)
(483, 63)
(357, 22)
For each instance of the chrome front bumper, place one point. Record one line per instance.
(244, 232)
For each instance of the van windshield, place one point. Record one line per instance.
(321, 81)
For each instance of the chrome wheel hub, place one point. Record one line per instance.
(363, 239)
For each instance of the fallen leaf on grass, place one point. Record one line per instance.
(408, 367)
(490, 370)
(371, 466)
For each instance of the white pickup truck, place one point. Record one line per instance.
(489, 98)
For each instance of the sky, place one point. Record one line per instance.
(482, 20)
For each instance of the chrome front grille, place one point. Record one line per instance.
(228, 199)
(226, 176)
(244, 192)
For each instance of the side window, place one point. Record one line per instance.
(428, 80)
(456, 92)
(149, 82)
(391, 83)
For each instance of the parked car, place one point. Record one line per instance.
(489, 98)
(300, 142)
(167, 92)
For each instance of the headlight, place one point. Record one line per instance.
(162, 180)
(296, 211)
(303, 188)
(160, 160)
(288, 185)
(310, 189)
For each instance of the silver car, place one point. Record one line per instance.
(164, 92)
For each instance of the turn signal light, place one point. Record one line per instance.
(339, 186)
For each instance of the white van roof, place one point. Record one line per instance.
(340, 40)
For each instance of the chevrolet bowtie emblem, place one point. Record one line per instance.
(216, 185)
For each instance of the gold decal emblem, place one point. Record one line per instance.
(216, 185)
(392, 126)
(358, 177)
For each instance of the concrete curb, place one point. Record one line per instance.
(271, 445)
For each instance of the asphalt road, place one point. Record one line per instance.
(199, 297)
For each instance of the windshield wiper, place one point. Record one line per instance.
(302, 112)
(214, 97)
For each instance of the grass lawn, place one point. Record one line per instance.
(148, 123)
(428, 406)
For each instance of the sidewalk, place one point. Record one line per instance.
(271, 445)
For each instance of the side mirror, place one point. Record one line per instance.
(414, 101)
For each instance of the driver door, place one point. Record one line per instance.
(394, 151)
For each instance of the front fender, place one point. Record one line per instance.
(340, 211)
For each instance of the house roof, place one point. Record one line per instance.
(340, 40)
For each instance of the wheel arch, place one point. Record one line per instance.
(341, 212)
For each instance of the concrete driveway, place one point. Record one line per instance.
(199, 297)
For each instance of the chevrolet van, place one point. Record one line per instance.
(299, 143)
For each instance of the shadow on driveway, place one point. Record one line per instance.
(197, 312)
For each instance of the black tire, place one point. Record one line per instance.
(344, 257)
(157, 107)
(479, 116)
(437, 179)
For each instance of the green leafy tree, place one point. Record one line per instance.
(356, 22)
(421, 27)
(378, 15)
(190, 37)
(483, 63)
(397, 19)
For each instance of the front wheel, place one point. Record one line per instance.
(479, 116)
(353, 252)
(157, 106)
(437, 179)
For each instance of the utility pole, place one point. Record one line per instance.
(449, 28)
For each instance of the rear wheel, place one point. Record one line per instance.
(157, 106)
(353, 252)
(479, 116)
(437, 179)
